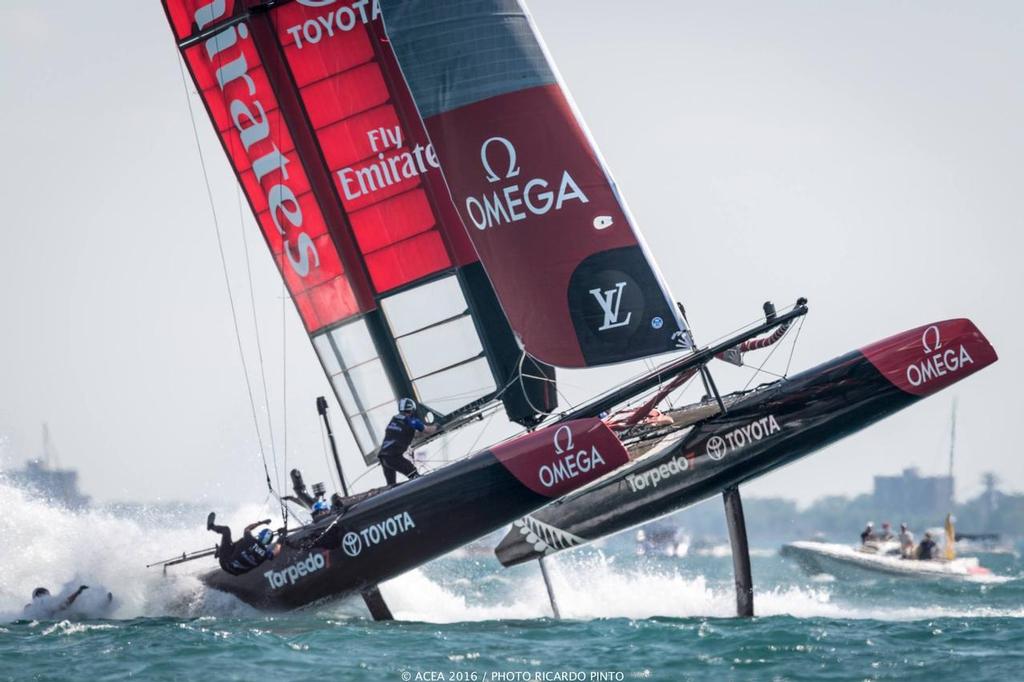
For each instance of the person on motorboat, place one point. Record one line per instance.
(247, 553)
(906, 541)
(886, 534)
(868, 534)
(398, 437)
(926, 550)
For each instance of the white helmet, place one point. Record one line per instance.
(406, 405)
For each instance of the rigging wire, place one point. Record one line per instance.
(765, 361)
(284, 358)
(284, 374)
(520, 376)
(796, 340)
(227, 279)
(256, 329)
(363, 475)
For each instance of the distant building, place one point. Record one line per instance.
(44, 478)
(913, 495)
(56, 485)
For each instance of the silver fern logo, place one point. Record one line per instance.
(545, 538)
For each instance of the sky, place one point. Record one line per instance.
(865, 155)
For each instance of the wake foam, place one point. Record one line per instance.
(595, 587)
(592, 587)
(48, 546)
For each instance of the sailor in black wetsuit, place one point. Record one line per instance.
(241, 557)
(397, 437)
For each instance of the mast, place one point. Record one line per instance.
(952, 450)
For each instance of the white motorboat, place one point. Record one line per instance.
(837, 560)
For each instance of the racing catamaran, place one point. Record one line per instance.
(451, 54)
(757, 432)
(464, 289)
(319, 125)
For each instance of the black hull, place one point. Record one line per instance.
(766, 429)
(398, 529)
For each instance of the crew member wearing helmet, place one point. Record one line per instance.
(45, 605)
(320, 508)
(241, 557)
(397, 438)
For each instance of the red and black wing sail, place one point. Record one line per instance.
(321, 131)
(541, 208)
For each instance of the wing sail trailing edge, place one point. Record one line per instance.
(323, 136)
(570, 269)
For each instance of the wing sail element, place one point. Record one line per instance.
(323, 136)
(541, 208)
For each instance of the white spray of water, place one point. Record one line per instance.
(595, 587)
(589, 587)
(46, 546)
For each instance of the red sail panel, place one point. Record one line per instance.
(569, 267)
(320, 127)
(189, 17)
(229, 73)
(376, 166)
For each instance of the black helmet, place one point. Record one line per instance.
(40, 592)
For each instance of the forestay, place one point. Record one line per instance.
(544, 214)
(320, 129)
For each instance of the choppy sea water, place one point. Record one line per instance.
(465, 618)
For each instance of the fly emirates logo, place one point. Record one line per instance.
(393, 164)
(244, 103)
(517, 198)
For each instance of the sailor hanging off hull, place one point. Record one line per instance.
(398, 436)
(246, 554)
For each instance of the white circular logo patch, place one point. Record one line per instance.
(352, 544)
(716, 448)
